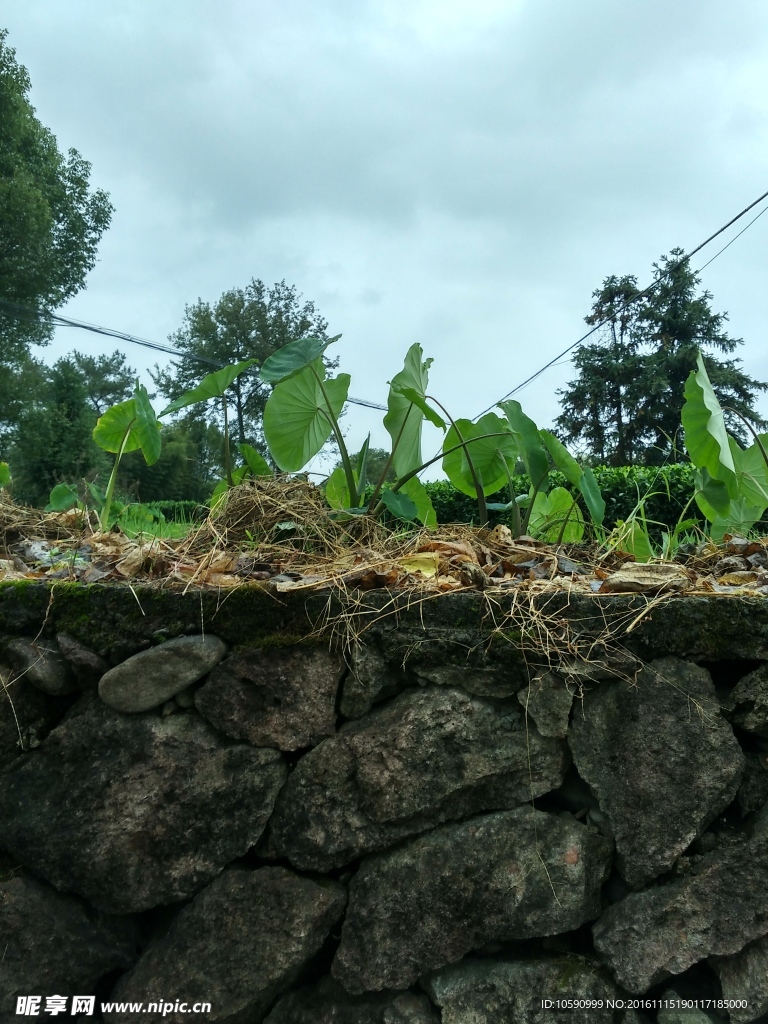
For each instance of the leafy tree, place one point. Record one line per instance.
(178, 474)
(245, 323)
(625, 406)
(374, 465)
(50, 222)
(53, 443)
(107, 379)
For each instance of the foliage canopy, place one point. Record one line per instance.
(625, 405)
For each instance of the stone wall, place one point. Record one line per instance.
(450, 819)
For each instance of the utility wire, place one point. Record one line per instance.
(640, 295)
(27, 313)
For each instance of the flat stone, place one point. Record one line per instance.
(489, 991)
(424, 758)
(328, 1003)
(548, 699)
(238, 945)
(53, 943)
(748, 703)
(274, 698)
(134, 812)
(42, 664)
(494, 878)
(148, 679)
(715, 910)
(27, 714)
(745, 976)
(660, 758)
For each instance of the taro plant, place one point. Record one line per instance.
(5, 476)
(479, 458)
(731, 481)
(133, 425)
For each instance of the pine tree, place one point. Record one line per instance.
(625, 406)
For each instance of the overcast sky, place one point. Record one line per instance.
(461, 173)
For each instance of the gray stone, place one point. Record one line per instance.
(681, 1014)
(424, 758)
(26, 715)
(661, 760)
(274, 698)
(495, 878)
(135, 811)
(41, 663)
(52, 943)
(86, 664)
(547, 699)
(753, 791)
(148, 679)
(484, 682)
(238, 945)
(369, 681)
(748, 703)
(490, 991)
(745, 976)
(716, 909)
(329, 1003)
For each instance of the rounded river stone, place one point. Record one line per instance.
(151, 677)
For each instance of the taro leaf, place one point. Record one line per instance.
(751, 473)
(97, 494)
(556, 513)
(219, 491)
(360, 469)
(212, 386)
(404, 420)
(712, 495)
(529, 442)
(562, 458)
(739, 521)
(256, 463)
(705, 435)
(399, 504)
(296, 424)
(633, 539)
(146, 428)
(5, 474)
(293, 358)
(492, 457)
(593, 499)
(114, 429)
(336, 490)
(62, 498)
(418, 494)
(421, 403)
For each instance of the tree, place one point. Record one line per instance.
(50, 222)
(53, 443)
(107, 379)
(625, 406)
(249, 323)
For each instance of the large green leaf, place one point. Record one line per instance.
(751, 473)
(212, 386)
(62, 498)
(114, 428)
(146, 428)
(593, 498)
(254, 460)
(293, 358)
(529, 443)
(296, 423)
(632, 538)
(336, 489)
(740, 519)
(561, 457)
(556, 515)
(399, 504)
(404, 420)
(5, 474)
(712, 495)
(493, 458)
(418, 494)
(705, 435)
(421, 403)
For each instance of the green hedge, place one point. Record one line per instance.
(180, 511)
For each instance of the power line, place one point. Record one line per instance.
(26, 312)
(640, 295)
